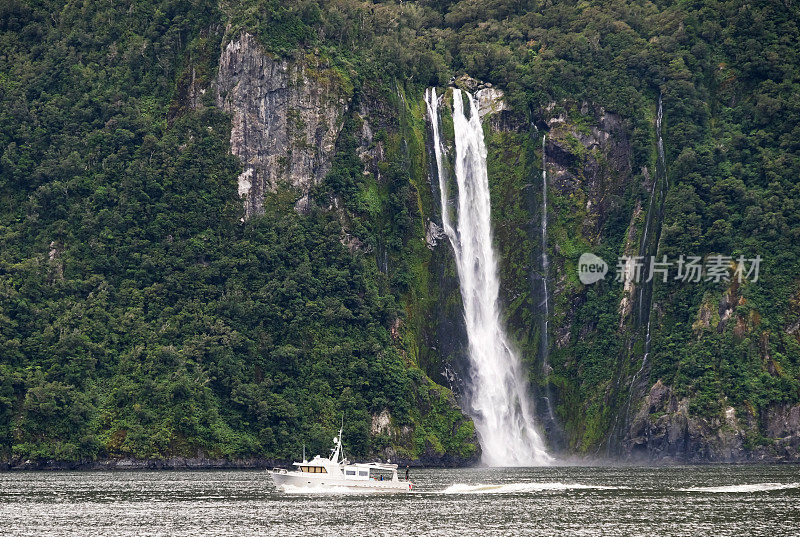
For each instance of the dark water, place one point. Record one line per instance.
(727, 500)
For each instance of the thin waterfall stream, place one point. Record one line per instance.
(645, 250)
(497, 395)
(545, 337)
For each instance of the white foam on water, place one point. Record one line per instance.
(740, 489)
(325, 489)
(517, 488)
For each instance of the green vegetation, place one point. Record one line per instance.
(140, 317)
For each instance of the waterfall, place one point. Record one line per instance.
(497, 396)
(545, 262)
(646, 250)
(661, 179)
(644, 247)
(546, 302)
(438, 150)
(661, 160)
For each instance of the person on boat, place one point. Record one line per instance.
(406, 472)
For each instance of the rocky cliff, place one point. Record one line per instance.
(665, 429)
(613, 392)
(286, 115)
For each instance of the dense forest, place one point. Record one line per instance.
(143, 316)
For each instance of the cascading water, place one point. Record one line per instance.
(497, 395)
(662, 161)
(438, 150)
(647, 250)
(661, 178)
(644, 247)
(545, 337)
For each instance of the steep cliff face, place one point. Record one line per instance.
(587, 156)
(589, 161)
(664, 428)
(286, 115)
(616, 392)
(296, 122)
(665, 424)
(593, 392)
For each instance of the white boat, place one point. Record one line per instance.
(337, 473)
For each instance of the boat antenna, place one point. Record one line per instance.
(304, 452)
(341, 444)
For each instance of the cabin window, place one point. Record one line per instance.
(350, 472)
(363, 473)
(313, 469)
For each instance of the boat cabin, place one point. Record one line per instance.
(357, 471)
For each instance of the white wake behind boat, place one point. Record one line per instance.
(336, 473)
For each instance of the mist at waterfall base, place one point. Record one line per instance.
(497, 393)
(542, 501)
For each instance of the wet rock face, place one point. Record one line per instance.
(588, 158)
(664, 429)
(783, 421)
(490, 101)
(286, 115)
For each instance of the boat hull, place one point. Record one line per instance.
(296, 481)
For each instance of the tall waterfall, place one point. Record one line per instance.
(497, 395)
(662, 161)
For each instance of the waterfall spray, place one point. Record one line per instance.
(497, 396)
